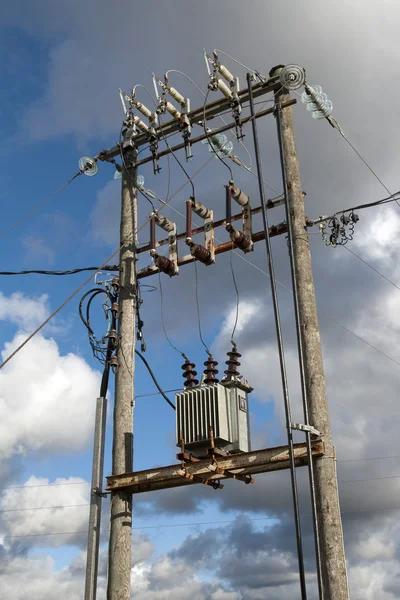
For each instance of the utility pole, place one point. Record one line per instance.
(334, 574)
(120, 545)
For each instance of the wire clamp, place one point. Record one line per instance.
(305, 428)
(97, 492)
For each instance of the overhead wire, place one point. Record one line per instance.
(237, 299)
(163, 394)
(198, 309)
(28, 214)
(163, 321)
(68, 272)
(373, 268)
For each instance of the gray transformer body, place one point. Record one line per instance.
(224, 407)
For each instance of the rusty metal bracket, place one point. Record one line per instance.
(206, 253)
(166, 265)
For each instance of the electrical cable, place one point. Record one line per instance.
(237, 299)
(158, 393)
(208, 136)
(154, 379)
(193, 524)
(282, 361)
(69, 272)
(3, 233)
(198, 310)
(300, 347)
(371, 267)
(163, 321)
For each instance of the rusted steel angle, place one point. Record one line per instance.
(259, 461)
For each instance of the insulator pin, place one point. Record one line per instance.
(233, 364)
(201, 210)
(200, 253)
(114, 364)
(241, 240)
(140, 123)
(210, 371)
(143, 109)
(165, 265)
(239, 196)
(224, 89)
(176, 95)
(165, 223)
(115, 309)
(189, 374)
(225, 73)
(173, 110)
(112, 336)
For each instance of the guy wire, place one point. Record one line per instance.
(198, 309)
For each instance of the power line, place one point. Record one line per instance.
(23, 487)
(371, 267)
(68, 272)
(195, 523)
(3, 233)
(7, 510)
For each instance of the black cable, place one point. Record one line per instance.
(282, 361)
(237, 300)
(68, 272)
(163, 322)
(198, 309)
(300, 349)
(154, 379)
(208, 136)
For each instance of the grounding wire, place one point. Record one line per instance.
(3, 233)
(208, 136)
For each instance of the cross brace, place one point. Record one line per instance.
(248, 463)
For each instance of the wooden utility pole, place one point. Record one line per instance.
(333, 562)
(120, 545)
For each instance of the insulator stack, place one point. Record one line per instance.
(226, 74)
(240, 240)
(176, 95)
(165, 265)
(140, 123)
(233, 363)
(189, 374)
(173, 110)
(224, 89)
(202, 211)
(200, 253)
(239, 196)
(317, 102)
(143, 109)
(210, 371)
(165, 223)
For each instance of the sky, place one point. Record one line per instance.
(62, 66)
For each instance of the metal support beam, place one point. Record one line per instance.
(248, 463)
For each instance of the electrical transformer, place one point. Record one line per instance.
(224, 406)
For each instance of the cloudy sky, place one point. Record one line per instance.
(63, 63)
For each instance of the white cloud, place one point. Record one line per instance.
(105, 215)
(25, 312)
(36, 250)
(47, 400)
(18, 520)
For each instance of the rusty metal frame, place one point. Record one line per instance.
(248, 463)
